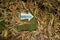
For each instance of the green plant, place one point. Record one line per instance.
(2, 25)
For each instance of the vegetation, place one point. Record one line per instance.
(44, 26)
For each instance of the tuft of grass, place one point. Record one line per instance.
(2, 25)
(32, 34)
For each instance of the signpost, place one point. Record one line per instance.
(28, 16)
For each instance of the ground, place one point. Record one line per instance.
(45, 25)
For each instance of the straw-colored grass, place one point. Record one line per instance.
(46, 12)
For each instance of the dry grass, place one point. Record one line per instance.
(47, 13)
